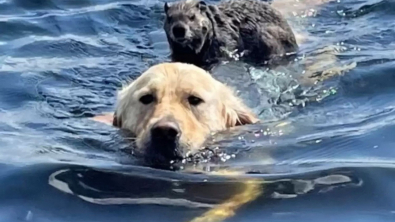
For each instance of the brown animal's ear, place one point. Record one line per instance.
(166, 7)
(202, 6)
(236, 114)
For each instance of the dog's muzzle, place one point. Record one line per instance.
(164, 142)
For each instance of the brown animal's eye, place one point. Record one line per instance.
(194, 101)
(147, 99)
(192, 17)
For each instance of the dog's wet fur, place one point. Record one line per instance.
(173, 107)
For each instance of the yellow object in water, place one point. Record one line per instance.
(252, 190)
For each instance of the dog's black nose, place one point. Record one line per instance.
(165, 131)
(179, 31)
(164, 146)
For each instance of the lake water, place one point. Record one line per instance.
(324, 151)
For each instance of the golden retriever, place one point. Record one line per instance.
(172, 108)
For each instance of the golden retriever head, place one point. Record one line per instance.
(172, 108)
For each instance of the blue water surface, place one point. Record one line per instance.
(325, 149)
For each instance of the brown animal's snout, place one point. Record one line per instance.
(165, 130)
(179, 32)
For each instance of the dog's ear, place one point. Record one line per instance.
(166, 8)
(202, 6)
(236, 116)
(117, 121)
(108, 118)
(235, 113)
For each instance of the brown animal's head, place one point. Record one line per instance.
(172, 108)
(188, 25)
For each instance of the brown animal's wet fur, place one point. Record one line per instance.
(171, 84)
(212, 31)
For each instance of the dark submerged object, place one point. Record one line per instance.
(203, 34)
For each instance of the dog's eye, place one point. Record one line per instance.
(192, 17)
(147, 99)
(194, 101)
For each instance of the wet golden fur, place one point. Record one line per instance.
(171, 84)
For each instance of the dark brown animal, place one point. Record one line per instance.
(203, 34)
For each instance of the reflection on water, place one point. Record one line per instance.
(323, 151)
(191, 191)
(130, 193)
